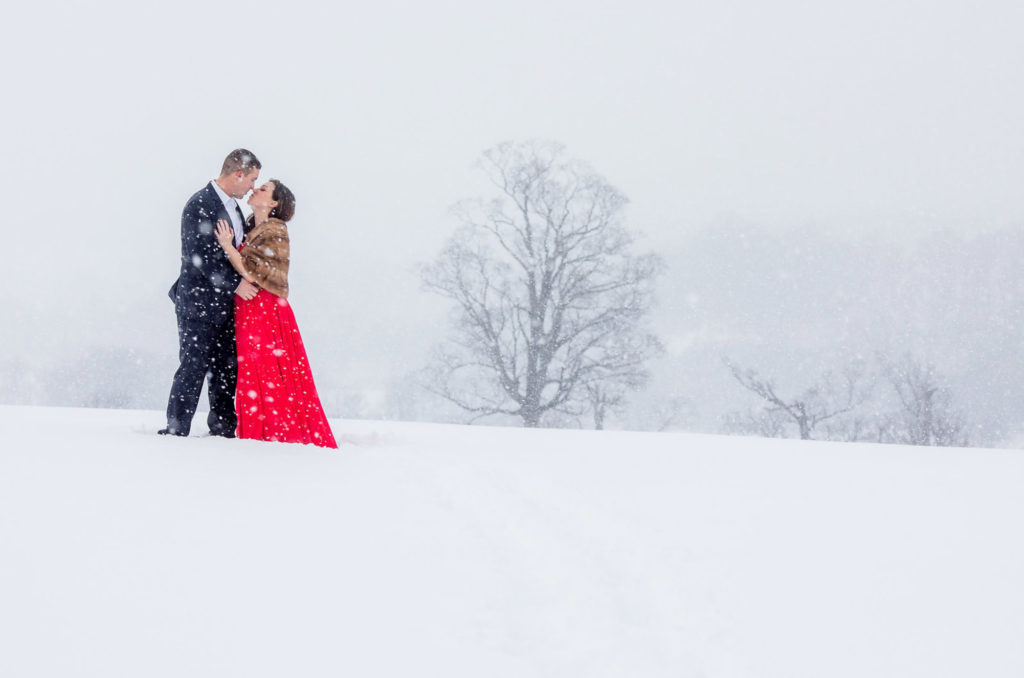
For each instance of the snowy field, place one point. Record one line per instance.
(428, 550)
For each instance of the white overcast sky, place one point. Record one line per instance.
(846, 114)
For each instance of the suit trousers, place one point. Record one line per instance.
(206, 351)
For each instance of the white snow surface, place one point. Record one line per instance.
(432, 550)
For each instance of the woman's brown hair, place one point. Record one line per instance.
(285, 199)
(285, 209)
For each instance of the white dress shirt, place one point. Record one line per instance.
(232, 208)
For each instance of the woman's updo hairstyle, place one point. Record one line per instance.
(285, 199)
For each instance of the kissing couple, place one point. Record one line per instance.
(236, 329)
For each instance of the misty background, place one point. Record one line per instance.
(824, 182)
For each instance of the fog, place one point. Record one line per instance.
(823, 180)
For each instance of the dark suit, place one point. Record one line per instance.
(203, 297)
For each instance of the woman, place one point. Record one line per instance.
(275, 398)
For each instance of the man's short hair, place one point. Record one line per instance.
(240, 159)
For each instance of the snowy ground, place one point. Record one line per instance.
(427, 550)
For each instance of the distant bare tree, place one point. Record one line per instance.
(657, 412)
(830, 398)
(549, 295)
(926, 415)
(765, 423)
(602, 400)
(859, 425)
(671, 412)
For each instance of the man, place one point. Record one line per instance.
(203, 299)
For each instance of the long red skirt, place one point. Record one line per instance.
(276, 398)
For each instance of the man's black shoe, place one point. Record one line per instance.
(223, 434)
(169, 432)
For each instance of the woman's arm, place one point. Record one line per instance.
(226, 238)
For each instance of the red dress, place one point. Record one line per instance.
(276, 398)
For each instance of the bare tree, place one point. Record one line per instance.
(765, 423)
(670, 412)
(916, 410)
(550, 297)
(926, 415)
(830, 398)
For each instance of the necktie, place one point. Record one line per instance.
(241, 220)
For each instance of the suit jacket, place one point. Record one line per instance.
(206, 284)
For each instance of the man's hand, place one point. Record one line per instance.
(246, 290)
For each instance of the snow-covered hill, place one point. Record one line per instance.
(426, 550)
